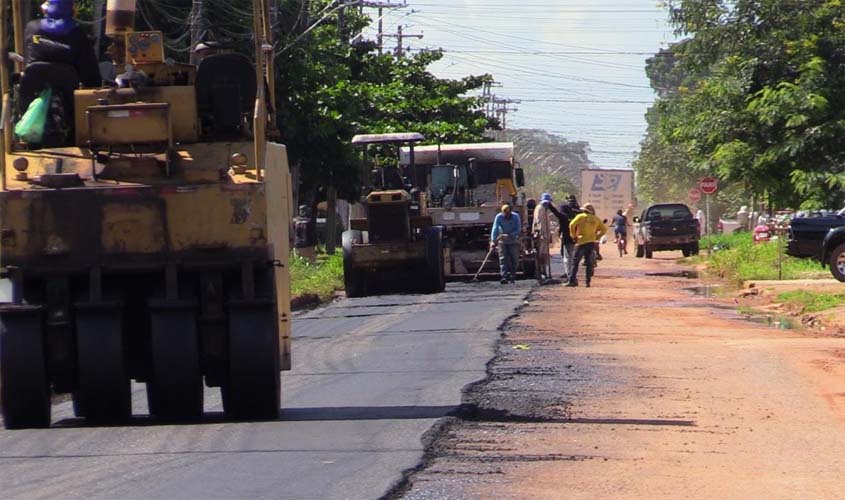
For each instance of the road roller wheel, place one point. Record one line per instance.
(25, 387)
(252, 389)
(103, 391)
(77, 406)
(433, 279)
(175, 388)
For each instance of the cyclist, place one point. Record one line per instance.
(620, 232)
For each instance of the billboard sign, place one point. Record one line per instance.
(607, 190)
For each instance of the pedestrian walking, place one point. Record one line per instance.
(564, 216)
(586, 229)
(542, 231)
(507, 229)
(305, 235)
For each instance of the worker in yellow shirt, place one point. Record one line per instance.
(586, 229)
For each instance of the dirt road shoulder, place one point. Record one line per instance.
(638, 389)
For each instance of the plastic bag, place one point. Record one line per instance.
(30, 128)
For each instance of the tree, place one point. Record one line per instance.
(756, 96)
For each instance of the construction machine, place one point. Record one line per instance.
(150, 242)
(392, 243)
(466, 186)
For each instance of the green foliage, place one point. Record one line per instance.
(810, 302)
(322, 279)
(755, 94)
(737, 259)
(330, 90)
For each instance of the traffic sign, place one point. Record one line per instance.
(694, 195)
(708, 185)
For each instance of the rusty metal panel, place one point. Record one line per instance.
(141, 123)
(214, 216)
(182, 100)
(388, 255)
(133, 227)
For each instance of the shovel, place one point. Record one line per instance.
(487, 258)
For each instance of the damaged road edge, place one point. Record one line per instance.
(465, 411)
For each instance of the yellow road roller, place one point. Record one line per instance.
(146, 236)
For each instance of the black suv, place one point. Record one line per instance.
(821, 237)
(664, 227)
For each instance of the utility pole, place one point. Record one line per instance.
(381, 5)
(487, 98)
(341, 21)
(197, 26)
(99, 16)
(501, 108)
(381, 30)
(400, 37)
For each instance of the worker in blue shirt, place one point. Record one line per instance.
(507, 229)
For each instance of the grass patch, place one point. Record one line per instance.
(322, 278)
(736, 258)
(809, 302)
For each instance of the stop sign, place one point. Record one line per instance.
(694, 195)
(708, 185)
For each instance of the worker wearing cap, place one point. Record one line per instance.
(564, 215)
(57, 38)
(507, 229)
(586, 229)
(542, 230)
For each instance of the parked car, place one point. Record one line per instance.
(821, 237)
(762, 234)
(664, 227)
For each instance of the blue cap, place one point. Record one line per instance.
(546, 197)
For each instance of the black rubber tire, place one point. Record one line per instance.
(175, 388)
(252, 389)
(103, 393)
(696, 248)
(686, 251)
(640, 251)
(434, 277)
(77, 406)
(649, 253)
(353, 279)
(25, 388)
(836, 260)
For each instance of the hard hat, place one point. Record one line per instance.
(588, 207)
(546, 197)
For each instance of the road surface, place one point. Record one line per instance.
(639, 389)
(370, 377)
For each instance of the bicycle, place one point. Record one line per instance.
(622, 244)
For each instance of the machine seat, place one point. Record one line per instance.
(226, 91)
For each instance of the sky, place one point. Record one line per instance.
(577, 66)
